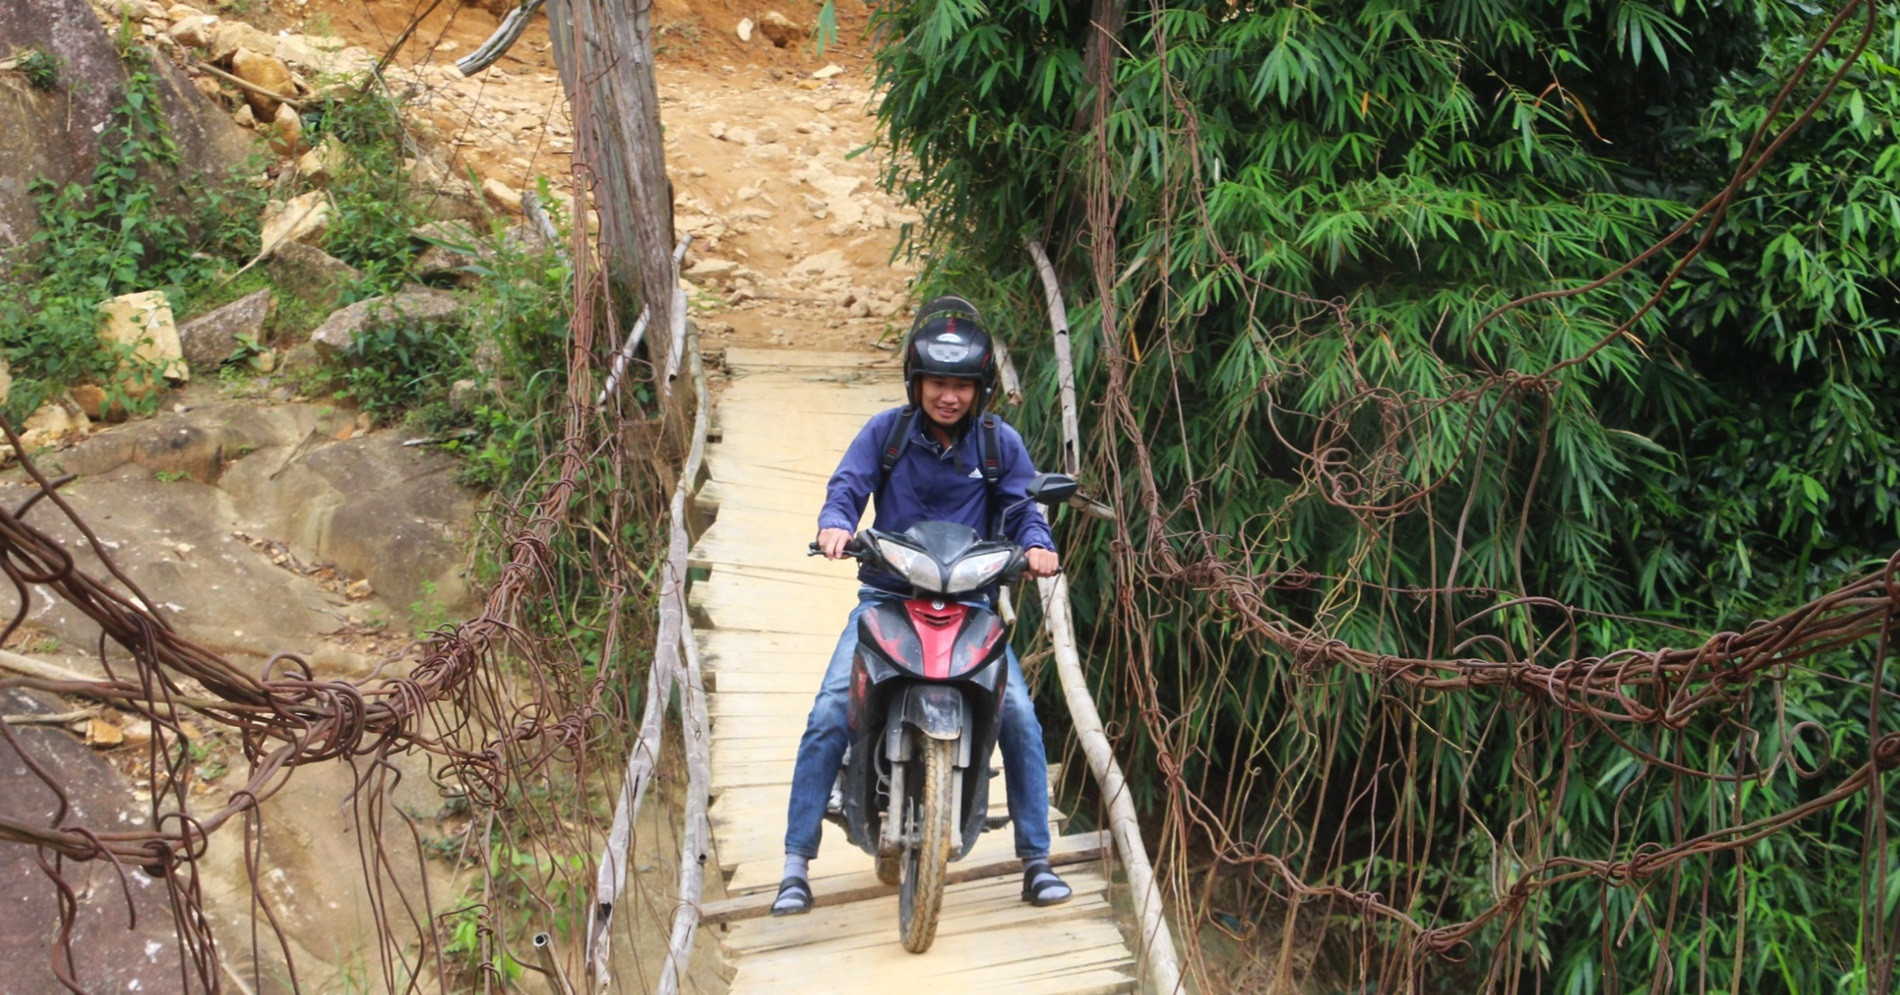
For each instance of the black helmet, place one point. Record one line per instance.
(947, 340)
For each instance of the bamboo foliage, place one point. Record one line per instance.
(1388, 354)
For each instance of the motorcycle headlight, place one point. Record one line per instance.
(916, 566)
(973, 572)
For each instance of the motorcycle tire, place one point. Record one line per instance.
(922, 865)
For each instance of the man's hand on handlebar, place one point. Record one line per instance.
(1041, 562)
(831, 542)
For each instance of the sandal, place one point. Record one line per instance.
(1042, 886)
(794, 897)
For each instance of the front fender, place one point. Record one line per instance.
(935, 710)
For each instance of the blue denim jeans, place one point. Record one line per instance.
(821, 751)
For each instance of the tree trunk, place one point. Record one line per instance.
(605, 53)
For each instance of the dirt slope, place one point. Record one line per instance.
(793, 240)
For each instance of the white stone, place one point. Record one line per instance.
(196, 31)
(141, 325)
(744, 30)
(829, 71)
(301, 219)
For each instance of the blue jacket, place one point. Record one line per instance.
(931, 484)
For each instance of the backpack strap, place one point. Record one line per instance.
(989, 460)
(893, 447)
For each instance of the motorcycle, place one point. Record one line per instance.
(925, 703)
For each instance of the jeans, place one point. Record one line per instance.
(821, 751)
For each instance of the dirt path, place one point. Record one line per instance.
(792, 239)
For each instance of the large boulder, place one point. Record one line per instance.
(122, 928)
(210, 339)
(418, 307)
(56, 135)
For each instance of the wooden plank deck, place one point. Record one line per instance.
(766, 618)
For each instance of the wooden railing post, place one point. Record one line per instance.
(675, 633)
(1157, 941)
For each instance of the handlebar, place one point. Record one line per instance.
(853, 548)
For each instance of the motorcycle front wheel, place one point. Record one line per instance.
(926, 852)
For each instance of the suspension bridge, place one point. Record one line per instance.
(762, 620)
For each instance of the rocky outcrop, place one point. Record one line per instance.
(55, 134)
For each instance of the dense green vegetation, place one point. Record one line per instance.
(1322, 421)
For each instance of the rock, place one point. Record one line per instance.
(740, 136)
(301, 357)
(416, 306)
(452, 246)
(6, 380)
(209, 340)
(766, 135)
(286, 132)
(137, 733)
(319, 55)
(303, 218)
(501, 195)
(817, 206)
(828, 72)
(323, 163)
(233, 35)
(309, 274)
(263, 362)
(245, 117)
(112, 929)
(91, 399)
(140, 325)
(58, 421)
(266, 72)
(706, 270)
(359, 589)
(209, 88)
(717, 129)
(103, 733)
(452, 199)
(779, 29)
(196, 31)
(462, 396)
(180, 11)
(744, 30)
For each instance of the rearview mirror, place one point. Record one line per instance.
(1052, 488)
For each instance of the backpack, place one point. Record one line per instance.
(988, 459)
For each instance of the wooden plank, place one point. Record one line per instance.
(750, 359)
(988, 958)
(1065, 850)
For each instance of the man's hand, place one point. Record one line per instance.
(831, 542)
(1042, 562)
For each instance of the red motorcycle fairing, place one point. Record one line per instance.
(936, 624)
(934, 640)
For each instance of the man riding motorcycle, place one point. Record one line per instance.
(939, 458)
